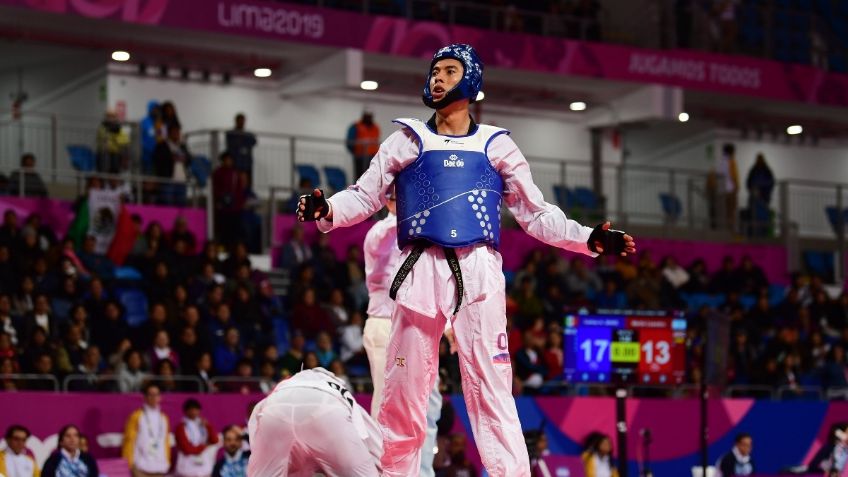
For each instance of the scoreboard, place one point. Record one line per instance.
(643, 348)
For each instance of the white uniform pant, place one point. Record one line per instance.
(375, 339)
(305, 431)
(411, 370)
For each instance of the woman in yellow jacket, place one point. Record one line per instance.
(597, 459)
(146, 446)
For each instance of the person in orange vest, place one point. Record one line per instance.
(363, 141)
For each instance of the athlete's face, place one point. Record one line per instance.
(444, 76)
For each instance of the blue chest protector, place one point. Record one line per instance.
(451, 195)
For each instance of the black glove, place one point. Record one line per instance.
(314, 202)
(612, 241)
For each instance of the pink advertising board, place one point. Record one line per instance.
(398, 36)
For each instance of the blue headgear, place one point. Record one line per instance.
(472, 75)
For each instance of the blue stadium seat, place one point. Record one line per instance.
(747, 301)
(671, 207)
(135, 306)
(81, 157)
(201, 169)
(562, 195)
(585, 198)
(833, 217)
(336, 178)
(127, 273)
(306, 171)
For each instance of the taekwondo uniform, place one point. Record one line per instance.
(311, 423)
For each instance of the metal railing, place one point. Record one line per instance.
(25, 381)
(109, 382)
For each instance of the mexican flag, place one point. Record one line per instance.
(104, 216)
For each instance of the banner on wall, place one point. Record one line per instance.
(401, 37)
(784, 433)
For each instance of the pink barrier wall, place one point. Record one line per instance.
(58, 214)
(516, 244)
(801, 427)
(398, 36)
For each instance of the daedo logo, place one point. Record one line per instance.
(454, 161)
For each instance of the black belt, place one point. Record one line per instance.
(406, 267)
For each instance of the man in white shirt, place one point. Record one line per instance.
(311, 423)
(146, 446)
(14, 460)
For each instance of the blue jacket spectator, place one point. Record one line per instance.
(151, 134)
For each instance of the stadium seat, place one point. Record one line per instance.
(561, 194)
(585, 198)
(135, 306)
(336, 178)
(833, 218)
(671, 207)
(306, 171)
(281, 333)
(82, 158)
(201, 169)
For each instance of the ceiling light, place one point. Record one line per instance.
(369, 85)
(262, 72)
(120, 55)
(794, 129)
(683, 117)
(480, 96)
(577, 106)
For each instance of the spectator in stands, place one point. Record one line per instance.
(41, 317)
(228, 353)
(325, 352)
(194, 435)
(43, 367)
(234, 461)
(296, 251)
(835, 371)
(33, 186)
(152, 133)
(530, 364)
(171, 160)
(108, 331)
(89, 371)
(728, 175)
(351, 339)
(676, 275)
(309, 317)
(597, 457)
(170, 119)
(7, 270)
(9, 325)
(145, 446)
(336, 309)
(738, 461)
(459, 465)
(363, 141)
(112, 142)
(611, 297)
(162, 350)
(131, 376)
(582, 281)
(9, 231)
(269, 377)
(244, 382)
(310, 360)
(37, 344)
(290, 362)
(68, 460)
(750, 278)
(553, 354)
(229, 195)
(528, 301)
(831, 457)
(96, 263)
(189, 348)
(760, 184)
(240, 144)
(8, 366)
(15, 461)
